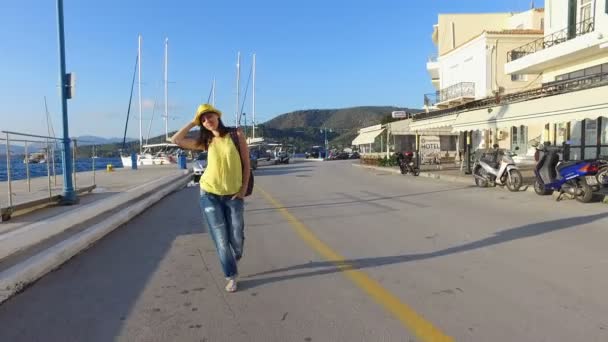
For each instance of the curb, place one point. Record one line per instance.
(24, 237)
(19, 276)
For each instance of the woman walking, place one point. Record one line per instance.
(223, 184)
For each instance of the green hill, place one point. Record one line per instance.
(302, 128)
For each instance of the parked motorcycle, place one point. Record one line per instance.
(490, 171)
(406, 163)
(577, 178)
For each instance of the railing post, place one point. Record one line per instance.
(8, 171)
(48, 169)
(27, 169)
(54, 168)
(93, 164)
(74, 150)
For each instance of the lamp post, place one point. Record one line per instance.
(69, 195)
(324, 131)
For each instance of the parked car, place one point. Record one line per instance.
(314, 152)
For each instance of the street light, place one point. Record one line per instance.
(69, 195)
(324, 130)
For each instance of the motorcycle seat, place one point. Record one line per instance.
(566, 164)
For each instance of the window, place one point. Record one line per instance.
(585, 10)
(448, 143)
(518, 78)
(604, 131)
(593, 70)
(590, 133)
(577, 74)
(542, 23)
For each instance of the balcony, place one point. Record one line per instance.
(432, 66)
(561, 47)
(454, 95)
(546, 90)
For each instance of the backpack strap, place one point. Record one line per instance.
(235, 139)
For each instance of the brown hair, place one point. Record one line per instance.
(206, 136)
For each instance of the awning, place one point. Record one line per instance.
(401, 127)
(437, 122)
(367, 137)
(573, 106)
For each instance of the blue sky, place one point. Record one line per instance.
(310, 54)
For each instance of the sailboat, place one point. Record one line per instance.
(153, 154)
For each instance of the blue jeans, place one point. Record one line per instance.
(224, 217)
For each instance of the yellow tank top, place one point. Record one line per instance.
(224, 172)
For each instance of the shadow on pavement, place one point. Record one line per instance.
(277, 170)
(329, 267)
(89, 297)
(353, 201)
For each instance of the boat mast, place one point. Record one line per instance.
(253, 102)
(238, 78)
(139, 94)
(166, 90)
(213, 93)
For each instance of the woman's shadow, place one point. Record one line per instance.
(329, 267)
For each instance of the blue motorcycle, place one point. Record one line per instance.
(576, 178)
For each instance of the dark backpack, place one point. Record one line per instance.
(235, 140)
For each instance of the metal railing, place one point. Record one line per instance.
(37, 149)
(547, 89)
(462, 89)
(553, 39)
(431, 99)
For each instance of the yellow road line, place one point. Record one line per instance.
(416, 324)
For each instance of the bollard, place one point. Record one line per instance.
(181, 161)
(109, 168)
(133, 161)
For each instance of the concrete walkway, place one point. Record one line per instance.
(33, 243)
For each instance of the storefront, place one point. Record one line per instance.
(577, 117)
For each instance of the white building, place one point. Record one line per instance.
(573, 60)
(472, 52)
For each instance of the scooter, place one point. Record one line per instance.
(406, 164)
(489, 171)
(576, 178)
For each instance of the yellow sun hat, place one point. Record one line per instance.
(204, 109)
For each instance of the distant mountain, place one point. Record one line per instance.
(300, 128)
(95, 140)
(20, 149)
(303, 128)
(339, 119)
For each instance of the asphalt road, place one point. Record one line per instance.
(337, 253)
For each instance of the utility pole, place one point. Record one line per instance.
(69, 195)
(253, 102)
(238, 90)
